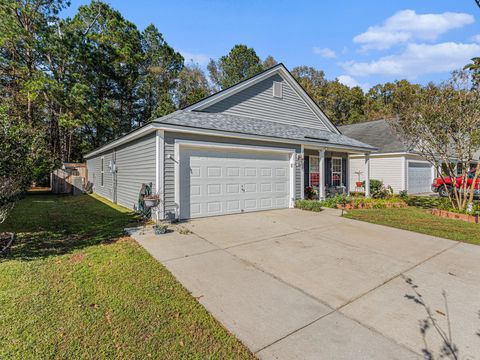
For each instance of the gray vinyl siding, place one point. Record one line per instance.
(135, 166)
(257, 102)
(135, 162)
(94, 174)
(170, 156)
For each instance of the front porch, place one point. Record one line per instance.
(326, 174)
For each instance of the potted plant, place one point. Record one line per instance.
(160, 228)
(151, 200)
(311, 193)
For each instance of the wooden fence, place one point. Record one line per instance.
(70, 179)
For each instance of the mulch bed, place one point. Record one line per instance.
(6, 241)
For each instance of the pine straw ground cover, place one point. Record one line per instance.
(73, 286)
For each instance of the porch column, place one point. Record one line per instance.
(302, 173)
(321, 174)
(367, 175)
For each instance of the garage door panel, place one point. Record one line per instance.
(233, 205)
(225, 182)
(281, 202)
(250, 204)
(266, 187)
(214, 172)
(266, 172)
(266, 203)
(195, 171)
(233, 171)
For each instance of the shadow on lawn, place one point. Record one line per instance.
(49, 225)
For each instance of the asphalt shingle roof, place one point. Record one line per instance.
(377, 133)
(250, 126)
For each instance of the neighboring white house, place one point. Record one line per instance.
(393, 163)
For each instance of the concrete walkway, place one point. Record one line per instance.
(292, 284)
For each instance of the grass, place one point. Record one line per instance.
(74, 287)
(420, 220)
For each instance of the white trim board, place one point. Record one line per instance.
(165, 127)
(204, 144)
(308, 145)
(393, 154)
(124, 139)
(160, 171)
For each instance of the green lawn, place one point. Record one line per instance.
(420, 220)
(74, 287)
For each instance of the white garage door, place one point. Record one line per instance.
(419, 177)
(229, 181)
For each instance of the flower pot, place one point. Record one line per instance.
(149, 203)
(159, 230)
(359, 184)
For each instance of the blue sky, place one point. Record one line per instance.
(360, 42)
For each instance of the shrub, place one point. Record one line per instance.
(428, 202)
(311, 205)
(383, 192)
(403, 195)
(375, 185)
(378, 190)
(332, 202)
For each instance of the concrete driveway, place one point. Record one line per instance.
(292, 284)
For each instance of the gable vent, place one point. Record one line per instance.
(278, 89)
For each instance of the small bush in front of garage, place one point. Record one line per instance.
(310, 205)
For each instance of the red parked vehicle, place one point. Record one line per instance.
(438, 186)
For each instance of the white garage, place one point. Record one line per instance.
(219, 181)
(419, 177)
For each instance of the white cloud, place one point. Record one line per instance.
(407, 25)
(476, 38)
(348, 80)
(351, 82)
(417, 59)
(324, 52)
(199, 59)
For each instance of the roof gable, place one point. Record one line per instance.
(254, 98)
(377, 133)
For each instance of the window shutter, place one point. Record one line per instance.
(306, 171)
(328, 172)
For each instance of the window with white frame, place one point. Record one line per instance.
(102, 170)
(313, 171)
(337, 172)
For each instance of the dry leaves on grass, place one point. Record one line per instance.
(77, 258)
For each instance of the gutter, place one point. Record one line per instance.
(213, 132)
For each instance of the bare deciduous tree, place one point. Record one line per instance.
(442, 123)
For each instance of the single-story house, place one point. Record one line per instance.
(254, 146)
(393, 163)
